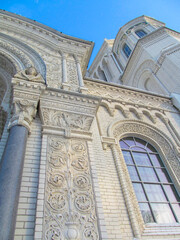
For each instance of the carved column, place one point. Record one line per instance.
(65, 84)
(80, 78)
(25, 100)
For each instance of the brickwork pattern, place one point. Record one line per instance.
(25, 222)
(116, 217)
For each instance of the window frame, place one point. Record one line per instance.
(158, 182)
(139, 31)
(126, 50)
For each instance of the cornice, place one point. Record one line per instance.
(53, 38)
(70, 101)
(36, 25)
(129, 96)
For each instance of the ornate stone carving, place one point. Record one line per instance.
(53, 234)
(81, 181)
(69, 202)
(66, 120)
(56, 200)
(12, 46)
(128, 97)
(83, 202)
(30, 74)
(23, 113)
(53, 69)
(72, 75)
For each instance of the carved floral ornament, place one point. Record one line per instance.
(69, 202)
(62, 119)
(23, 113)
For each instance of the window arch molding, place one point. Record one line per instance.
(163, 145)
(153, 135)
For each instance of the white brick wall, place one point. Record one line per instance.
(25, 221)
(116, 217)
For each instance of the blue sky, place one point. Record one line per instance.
(94, 20)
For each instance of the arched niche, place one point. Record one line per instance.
(144, 78)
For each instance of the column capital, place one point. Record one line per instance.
(23, 113)
(27, 86)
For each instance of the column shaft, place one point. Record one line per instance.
(10, 179)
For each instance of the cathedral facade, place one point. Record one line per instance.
(89, 154)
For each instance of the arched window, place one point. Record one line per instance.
(157, 197)
(126, 50)
(140, 33)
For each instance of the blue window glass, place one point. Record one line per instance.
(157, 197)
(141, 33)
(126, 50)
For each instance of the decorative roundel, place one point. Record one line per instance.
(83, 202)
(56, 179)
(78, 147)
(90, 234)
(57, 200)
(53, 234)
(81, 181)
(80, 163)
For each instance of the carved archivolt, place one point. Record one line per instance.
(23, 55)
(154, 136)
(69, 201)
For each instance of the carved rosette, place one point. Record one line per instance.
(69, 202)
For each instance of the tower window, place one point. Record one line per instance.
(126, 50)
(141, 33)
(157, 197)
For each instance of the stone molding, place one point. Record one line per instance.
(51, 38)
(19, 50)
(68, 113)
(129, 97)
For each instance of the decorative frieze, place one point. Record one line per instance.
(69, 200)
(61, 119)
(129, 97)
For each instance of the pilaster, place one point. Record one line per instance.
(68, 204)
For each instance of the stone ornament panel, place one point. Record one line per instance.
(69, 201)
(65, 120)
(72, 75)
